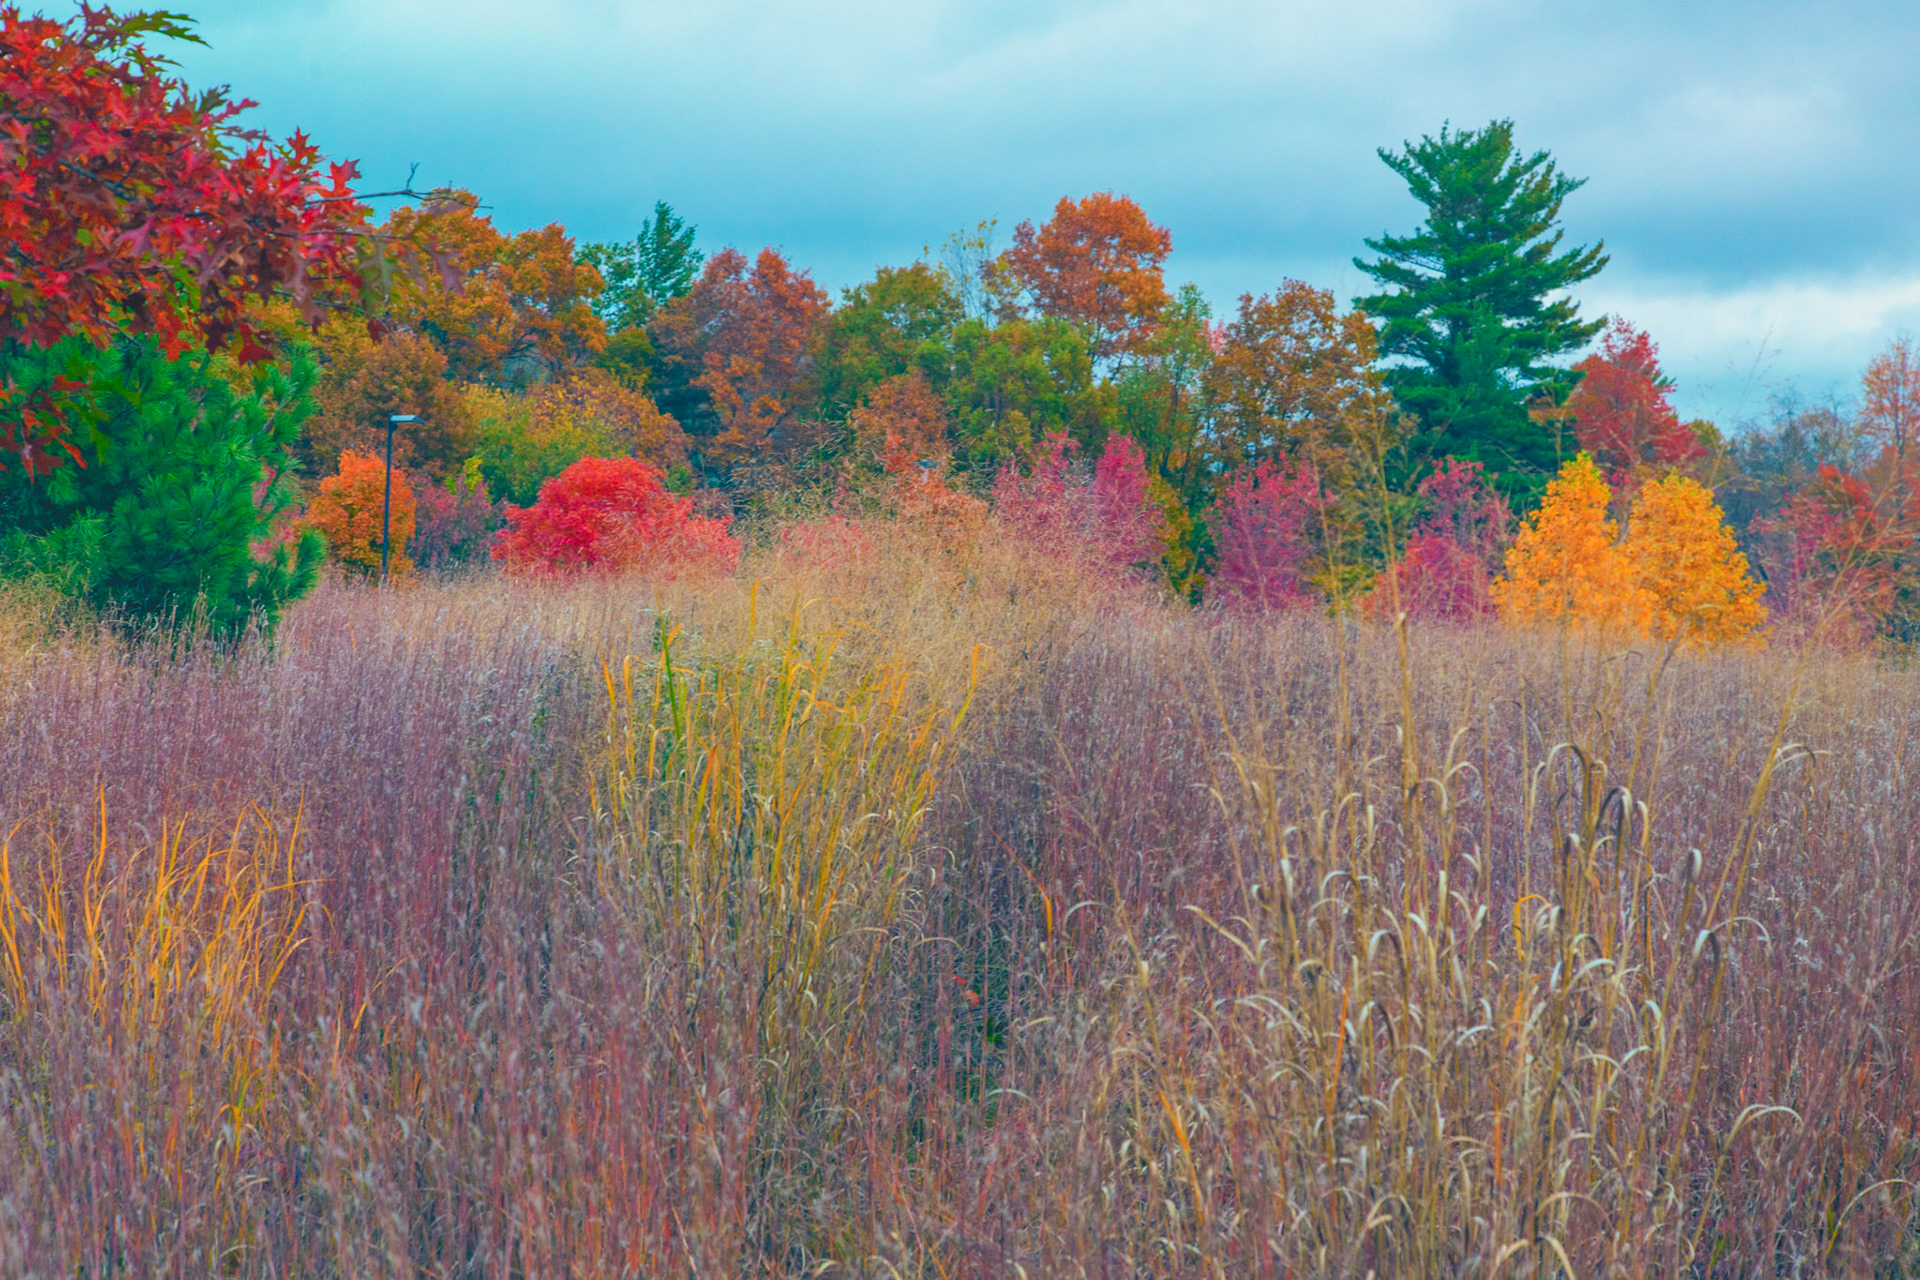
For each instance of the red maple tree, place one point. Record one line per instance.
(128, 202)
(1623, 409)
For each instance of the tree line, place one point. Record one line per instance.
(204, 334)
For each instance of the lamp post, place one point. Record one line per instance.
(386, 501)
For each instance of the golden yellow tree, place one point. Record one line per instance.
(1565, 567)
(1697, 583)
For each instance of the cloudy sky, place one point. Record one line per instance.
(1749, 162)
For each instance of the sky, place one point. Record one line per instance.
(1748, 163)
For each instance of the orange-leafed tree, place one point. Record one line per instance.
(1098, 263)
(506, 309)
(736, 356)
(902, 413)
(348, 512)
(1890, 412)
(1623, 410)
(1565, 567)
(1291, 377)
(1695, 581)
(362, 382)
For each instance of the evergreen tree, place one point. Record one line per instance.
(1468, 299)
(183, 482)
(659, 265)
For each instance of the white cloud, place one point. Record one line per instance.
(1727, 349)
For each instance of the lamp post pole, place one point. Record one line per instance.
(386, 501)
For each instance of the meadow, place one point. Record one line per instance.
(944, 918)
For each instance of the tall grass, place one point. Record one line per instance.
(932, 917)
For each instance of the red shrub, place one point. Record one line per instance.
(1108, 521)
(1264, 533)
(613, 513)
(1454, 550)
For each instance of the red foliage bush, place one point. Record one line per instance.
(454, 522)
(1264, 534)
(1105, 520)
(614, 514)
(1837, 554)
(1454, 550)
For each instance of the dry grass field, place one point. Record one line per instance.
(939, 920)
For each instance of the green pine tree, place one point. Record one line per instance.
(1469, 302)
(182, 480)
(647, 273)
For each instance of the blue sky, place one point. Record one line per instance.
(1749, 163)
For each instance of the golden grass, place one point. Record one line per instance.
(164, 937)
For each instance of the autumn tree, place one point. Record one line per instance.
(1472, 306)
(525, 438)
(878, 331)
(1695, 581)
(1096, 263)
(614, 514)
(1842, 554)
(1292, 376)
(506, 309)
(1011, 384)
(736, 359)
(644, 274)
(1162, 390)
(1770, 462)
(1890, 400)
(1623, 413)
(1890, 416)
(1565, 567)
(902, 414)
(129, 203)
(363, 382)
(350, 509)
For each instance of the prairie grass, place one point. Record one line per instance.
(946, 914)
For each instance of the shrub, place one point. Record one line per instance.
(455, 522)
(1105, 522)
(1264, 535)
(614, 513)
(183, 478)
(1451, 553)
(350, 512)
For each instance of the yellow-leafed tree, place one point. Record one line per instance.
(1696, 581)
(1565, 567)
